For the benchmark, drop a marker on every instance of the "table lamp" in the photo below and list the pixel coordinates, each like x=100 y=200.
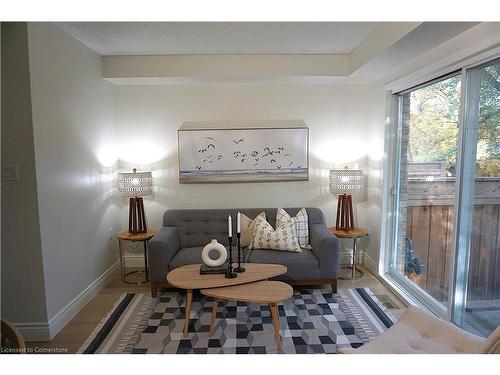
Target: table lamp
x=347 y=183
x=136 y=185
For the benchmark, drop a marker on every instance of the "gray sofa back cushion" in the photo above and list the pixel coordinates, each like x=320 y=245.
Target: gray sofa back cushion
x=196 y=227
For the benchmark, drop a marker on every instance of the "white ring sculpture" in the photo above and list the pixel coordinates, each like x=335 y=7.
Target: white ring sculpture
x=217 y=247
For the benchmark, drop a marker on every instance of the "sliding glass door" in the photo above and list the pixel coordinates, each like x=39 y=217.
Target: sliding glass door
x=426 y=188
x=478 y=278
x=445 y=227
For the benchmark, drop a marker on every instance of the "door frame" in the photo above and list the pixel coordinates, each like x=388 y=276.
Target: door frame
x=467 y=134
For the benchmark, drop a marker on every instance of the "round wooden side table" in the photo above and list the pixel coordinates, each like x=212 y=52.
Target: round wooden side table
x=143 y=237
x=354 y=233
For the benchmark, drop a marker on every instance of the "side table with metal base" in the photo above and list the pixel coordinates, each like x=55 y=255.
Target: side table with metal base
x=354 y=233
x=143 y=237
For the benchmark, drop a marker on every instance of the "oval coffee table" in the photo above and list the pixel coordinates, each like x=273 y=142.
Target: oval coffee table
x=189 y=278
x=270 y=292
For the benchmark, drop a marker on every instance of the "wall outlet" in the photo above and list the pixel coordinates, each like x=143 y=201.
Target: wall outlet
x=10 y=172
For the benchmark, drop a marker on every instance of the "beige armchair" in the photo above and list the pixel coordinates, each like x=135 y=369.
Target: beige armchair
x=419 y=331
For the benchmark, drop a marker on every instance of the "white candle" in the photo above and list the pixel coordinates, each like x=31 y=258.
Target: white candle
x=238 y=229
x=230 y=225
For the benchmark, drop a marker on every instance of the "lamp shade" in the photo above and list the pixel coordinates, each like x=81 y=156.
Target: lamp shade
x=136 y=184
x=348 y=181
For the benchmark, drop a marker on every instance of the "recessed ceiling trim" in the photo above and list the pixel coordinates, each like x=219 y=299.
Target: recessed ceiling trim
x=225 y=66
x=383 y=37
x=263 y=51
x=164 y=81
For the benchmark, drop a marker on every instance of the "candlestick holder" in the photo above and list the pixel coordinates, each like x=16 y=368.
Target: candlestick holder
x=239 y=269
x=230 y=274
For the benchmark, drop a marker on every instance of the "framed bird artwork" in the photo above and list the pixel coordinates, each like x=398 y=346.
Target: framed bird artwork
x=243 y=154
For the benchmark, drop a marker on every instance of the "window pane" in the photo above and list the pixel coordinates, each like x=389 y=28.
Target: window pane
x=427 y=186
x=482 y=310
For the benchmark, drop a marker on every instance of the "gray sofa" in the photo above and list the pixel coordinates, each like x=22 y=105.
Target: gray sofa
x=185 y=232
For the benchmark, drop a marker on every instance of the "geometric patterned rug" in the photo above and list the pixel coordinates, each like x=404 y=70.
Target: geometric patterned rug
x=313 y=320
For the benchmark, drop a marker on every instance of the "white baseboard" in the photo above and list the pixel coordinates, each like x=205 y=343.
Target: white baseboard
x=43 y=331
x=369 y=263
x=134 y=261
x=362 y=257
x=33 y=331
x=345 y=257
x=68 y=312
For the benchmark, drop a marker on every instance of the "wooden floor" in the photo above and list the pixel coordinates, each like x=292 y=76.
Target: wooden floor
x=71 y=338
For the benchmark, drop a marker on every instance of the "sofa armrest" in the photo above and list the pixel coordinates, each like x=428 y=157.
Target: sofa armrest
x=492 y=343
x=325 y=247
x=161 y=249
x=442 y=332
x=420 y=331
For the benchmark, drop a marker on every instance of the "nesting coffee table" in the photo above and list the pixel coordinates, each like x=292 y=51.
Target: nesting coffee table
x=270 y=292
x=250 y=286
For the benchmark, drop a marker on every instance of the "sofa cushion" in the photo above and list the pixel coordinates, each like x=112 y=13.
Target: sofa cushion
x=188 y=255
x=302 y=266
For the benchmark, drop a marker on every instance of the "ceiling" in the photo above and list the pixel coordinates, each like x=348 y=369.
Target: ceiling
x=146 y=38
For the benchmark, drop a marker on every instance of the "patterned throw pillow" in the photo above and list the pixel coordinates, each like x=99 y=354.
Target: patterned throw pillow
x=247 y=228
x=283 y=238
x=301 y=222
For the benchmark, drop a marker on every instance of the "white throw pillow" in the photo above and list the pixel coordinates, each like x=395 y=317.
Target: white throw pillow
x=301 y=221
x=247 y=228
x=283 y=238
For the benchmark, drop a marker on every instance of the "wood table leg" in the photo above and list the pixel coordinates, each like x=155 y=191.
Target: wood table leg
x=215 y=304
x=189 y=299
x=273 y=308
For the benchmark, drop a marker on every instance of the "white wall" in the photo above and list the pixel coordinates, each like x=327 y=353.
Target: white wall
x=376 y=157
x=341 y=119
x=72 y=124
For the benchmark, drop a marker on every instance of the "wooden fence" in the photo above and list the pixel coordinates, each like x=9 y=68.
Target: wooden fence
x=430 y=221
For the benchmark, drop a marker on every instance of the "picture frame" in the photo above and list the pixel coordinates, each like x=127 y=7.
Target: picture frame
x=250 y=154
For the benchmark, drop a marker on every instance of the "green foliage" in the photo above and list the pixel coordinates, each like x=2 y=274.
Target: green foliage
x=434 y=122
x=488 y=152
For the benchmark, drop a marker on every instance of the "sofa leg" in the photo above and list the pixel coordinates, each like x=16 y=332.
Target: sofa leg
x=333 y=284
x=154 y=290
